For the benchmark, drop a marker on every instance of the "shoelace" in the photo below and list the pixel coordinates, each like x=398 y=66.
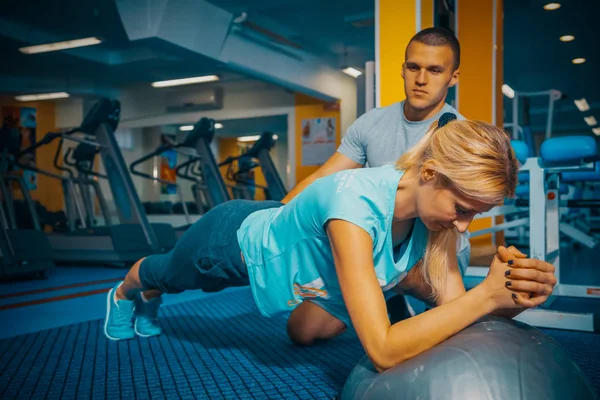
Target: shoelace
x=122 y=317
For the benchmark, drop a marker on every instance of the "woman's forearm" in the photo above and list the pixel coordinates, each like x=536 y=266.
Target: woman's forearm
x=412 y=336
x=507 y=312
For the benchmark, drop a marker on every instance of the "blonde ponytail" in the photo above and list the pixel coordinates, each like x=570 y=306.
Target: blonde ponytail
x=441 y=248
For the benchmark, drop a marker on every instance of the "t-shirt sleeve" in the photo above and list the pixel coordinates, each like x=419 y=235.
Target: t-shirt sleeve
x=354 y=143
x=348 y=202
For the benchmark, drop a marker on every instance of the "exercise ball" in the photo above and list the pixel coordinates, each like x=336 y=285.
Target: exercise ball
x=495 y=358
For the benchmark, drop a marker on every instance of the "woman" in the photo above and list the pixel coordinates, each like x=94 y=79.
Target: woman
x=347 y=239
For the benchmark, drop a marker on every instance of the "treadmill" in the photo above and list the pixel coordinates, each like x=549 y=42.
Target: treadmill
x=209 y=186
x=275 y=189
x=81 y=162
x=214 y=184
x=133 y=237
x=189 y=171
x=16 y=256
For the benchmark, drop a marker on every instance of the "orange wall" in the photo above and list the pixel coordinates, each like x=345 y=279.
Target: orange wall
x=49 y=190
x=475 y=94
x=475 y=33
x=426 y=14
x=308 y=108
x=397 y=25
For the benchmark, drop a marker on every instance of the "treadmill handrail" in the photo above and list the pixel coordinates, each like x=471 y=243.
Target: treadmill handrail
x=155 y=153
x=186 y=167
x=50 y=137
x=228 y=160
x=47 y=139
x=60 y=167
x=78 y=168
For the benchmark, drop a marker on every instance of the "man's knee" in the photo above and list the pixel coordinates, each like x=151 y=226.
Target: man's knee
x=309 y=322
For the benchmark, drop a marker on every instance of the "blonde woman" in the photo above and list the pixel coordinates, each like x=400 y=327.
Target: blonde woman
x=349 y=238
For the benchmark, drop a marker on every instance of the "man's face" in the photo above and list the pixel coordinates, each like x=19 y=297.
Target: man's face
x=428 y=73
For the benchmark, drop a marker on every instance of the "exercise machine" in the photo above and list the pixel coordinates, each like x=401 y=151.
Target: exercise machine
x=201 y=163
x=520 y=124
x=572 y=225
x=199 y=137
x=190 y=172
x=16 y=244
x=204 y=132
x=81 y=159
x=275 y=189
x=240 y=171
x=566 y=155
x=133 y=237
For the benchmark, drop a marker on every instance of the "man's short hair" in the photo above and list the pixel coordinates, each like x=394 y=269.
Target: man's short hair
x=439 y=37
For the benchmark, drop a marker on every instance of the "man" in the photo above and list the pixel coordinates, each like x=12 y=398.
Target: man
x=381 y=136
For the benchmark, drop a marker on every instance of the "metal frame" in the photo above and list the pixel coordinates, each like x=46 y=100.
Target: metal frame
x=553 y=96
x=160 y=150
x=544 y=240
x=131 y=239
x=16 y=257
x=186 y=171
x=260 y=151
x=128 y=203
x=277 y=190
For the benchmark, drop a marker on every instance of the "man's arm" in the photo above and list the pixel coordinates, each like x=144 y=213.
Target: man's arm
x=351 y=154
x=337 y=162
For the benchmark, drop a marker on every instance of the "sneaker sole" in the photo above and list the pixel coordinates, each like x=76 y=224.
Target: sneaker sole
x=108 y=297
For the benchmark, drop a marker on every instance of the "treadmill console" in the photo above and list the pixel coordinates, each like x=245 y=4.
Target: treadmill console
x=104 y=111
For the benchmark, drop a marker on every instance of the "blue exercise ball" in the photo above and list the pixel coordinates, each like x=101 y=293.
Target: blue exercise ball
x=495 y=358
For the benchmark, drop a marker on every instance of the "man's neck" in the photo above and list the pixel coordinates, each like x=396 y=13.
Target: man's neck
x=414 y=115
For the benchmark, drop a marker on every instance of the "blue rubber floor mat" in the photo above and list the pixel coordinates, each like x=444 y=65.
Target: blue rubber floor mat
x=217 y=347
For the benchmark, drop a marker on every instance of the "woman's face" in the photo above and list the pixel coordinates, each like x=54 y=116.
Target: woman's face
x=440 y=206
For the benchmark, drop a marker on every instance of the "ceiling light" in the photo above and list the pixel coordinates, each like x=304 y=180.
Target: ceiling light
x=552 y=6
x=353 y=72
x=69 y=44
x=582 y=105
x=240 y=18
x=185 y=81
x=508 y=91
x=186 y=128
x=596 y=131
x=578 y=60
x=591 y=121
x=248 y=138
x=275 y=137
x=43 y=96
x=567 y=38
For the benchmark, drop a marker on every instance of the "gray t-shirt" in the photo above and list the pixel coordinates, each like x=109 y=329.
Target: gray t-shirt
x=382 y=135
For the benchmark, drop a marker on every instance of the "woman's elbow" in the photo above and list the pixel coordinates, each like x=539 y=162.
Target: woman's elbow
x=382 y=364
x=383 y=359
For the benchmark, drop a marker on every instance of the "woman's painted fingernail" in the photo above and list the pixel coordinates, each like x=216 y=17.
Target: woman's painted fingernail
x=510 y=262
x=507 y=273
x=508 y=283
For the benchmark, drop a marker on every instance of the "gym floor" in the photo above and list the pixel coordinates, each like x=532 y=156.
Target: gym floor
x=214 y=345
